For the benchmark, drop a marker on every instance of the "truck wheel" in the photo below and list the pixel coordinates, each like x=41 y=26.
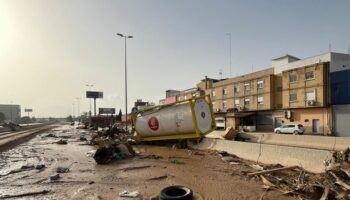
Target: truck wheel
x=295 y=132
x=176 y=193
x=278 y=132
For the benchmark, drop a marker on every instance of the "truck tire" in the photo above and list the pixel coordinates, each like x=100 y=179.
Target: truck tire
x=295 y=132
x=176 y=193
x=278 y=132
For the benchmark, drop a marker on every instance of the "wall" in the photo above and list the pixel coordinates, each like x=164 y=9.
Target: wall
x=300 y=116
x=319 y=83
x=309 y=159
x=341 y=117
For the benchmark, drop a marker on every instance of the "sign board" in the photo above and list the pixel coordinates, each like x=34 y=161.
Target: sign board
x=106 y=110
x=28 y=110
x=94 y=94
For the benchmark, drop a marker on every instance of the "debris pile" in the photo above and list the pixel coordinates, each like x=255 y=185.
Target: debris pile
x=113 y=144
x=293 y=180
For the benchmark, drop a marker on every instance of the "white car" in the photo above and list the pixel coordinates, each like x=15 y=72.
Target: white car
x=290 y=128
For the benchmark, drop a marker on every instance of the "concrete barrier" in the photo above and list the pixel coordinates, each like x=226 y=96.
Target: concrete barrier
x=310 y=159
x=306 y=141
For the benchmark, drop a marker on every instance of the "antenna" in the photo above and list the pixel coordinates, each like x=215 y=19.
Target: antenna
x=229 y=34
x=330 y=47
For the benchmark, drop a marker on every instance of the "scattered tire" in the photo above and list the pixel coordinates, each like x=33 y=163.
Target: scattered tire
x=176 y=193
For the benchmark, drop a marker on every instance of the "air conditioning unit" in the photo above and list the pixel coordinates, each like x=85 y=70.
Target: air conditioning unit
x=311 y=102
x=217 y=110
x=240 y=109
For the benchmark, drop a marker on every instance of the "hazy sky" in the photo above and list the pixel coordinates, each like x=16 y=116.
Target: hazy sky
x=49 y=49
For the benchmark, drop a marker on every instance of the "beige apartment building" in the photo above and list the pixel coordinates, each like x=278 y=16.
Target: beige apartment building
x=293 y=90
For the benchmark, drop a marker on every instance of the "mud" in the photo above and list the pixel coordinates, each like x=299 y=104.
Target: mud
x=155 y=168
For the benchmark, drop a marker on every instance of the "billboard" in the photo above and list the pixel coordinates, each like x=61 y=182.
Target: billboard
x=94 y=94
x=28 y=110
x=106 y=110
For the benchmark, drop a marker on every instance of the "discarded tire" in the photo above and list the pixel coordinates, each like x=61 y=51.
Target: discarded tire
x=176 y=193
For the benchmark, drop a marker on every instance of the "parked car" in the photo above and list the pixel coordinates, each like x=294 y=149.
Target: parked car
x=220 y=123
x=290 y=128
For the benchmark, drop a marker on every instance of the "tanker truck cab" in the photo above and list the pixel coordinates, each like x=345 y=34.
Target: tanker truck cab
x=192 y=118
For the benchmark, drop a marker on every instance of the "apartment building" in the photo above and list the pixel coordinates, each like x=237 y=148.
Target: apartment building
x=313 y=91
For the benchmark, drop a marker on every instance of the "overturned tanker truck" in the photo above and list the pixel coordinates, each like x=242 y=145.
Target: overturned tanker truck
x=186 y=119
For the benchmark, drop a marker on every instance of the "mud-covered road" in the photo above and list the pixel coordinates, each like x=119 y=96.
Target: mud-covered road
x=205 y=173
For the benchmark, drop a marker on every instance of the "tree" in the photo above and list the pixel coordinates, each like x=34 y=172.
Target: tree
x=2 y=117
x=119 y=116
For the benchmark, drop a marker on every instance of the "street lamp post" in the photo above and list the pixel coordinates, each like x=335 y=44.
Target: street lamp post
x=229 y=35
x=126 y=81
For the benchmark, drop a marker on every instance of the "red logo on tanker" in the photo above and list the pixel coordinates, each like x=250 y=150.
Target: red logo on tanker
x=153 y=123
x=203 y=114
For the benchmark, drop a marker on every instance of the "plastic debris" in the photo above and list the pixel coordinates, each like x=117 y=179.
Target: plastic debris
x=132 y=194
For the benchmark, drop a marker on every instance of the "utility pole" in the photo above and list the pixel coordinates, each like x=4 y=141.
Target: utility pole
x=229 y=34
x=126 y=80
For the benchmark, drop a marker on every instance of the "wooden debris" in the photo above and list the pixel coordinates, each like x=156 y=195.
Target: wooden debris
x=257 y=167
x=340 y=182
x=24 y=194
x=325 y=193
x=267 y=183
x=135 y=168
x=158 y=178
x=272 y=170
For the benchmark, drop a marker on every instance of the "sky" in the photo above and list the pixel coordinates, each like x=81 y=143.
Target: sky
x=50 y=49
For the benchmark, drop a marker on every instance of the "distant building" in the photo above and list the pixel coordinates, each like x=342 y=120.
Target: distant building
x=171 y=93
x=11 y=112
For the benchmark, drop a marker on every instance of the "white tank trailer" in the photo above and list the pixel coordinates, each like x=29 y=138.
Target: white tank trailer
x=191 y=118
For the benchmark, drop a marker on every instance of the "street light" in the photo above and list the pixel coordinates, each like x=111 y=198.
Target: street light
x=229 y=35
x=126 y=82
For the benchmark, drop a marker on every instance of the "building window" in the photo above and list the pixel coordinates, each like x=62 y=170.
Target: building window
x=246 y=102
x=236 y=88
x=293 y=96
x=260 y=100
x=224 y=105
x=311 y=94
x=246 y=86
x=293 y=77
x=310 y=75
x=237 y=103
x=260 y=84
x=213 y=93
x=224 y=91
x=185 y=97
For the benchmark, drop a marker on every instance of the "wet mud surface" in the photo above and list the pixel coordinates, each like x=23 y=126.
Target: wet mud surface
x=22 y=171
